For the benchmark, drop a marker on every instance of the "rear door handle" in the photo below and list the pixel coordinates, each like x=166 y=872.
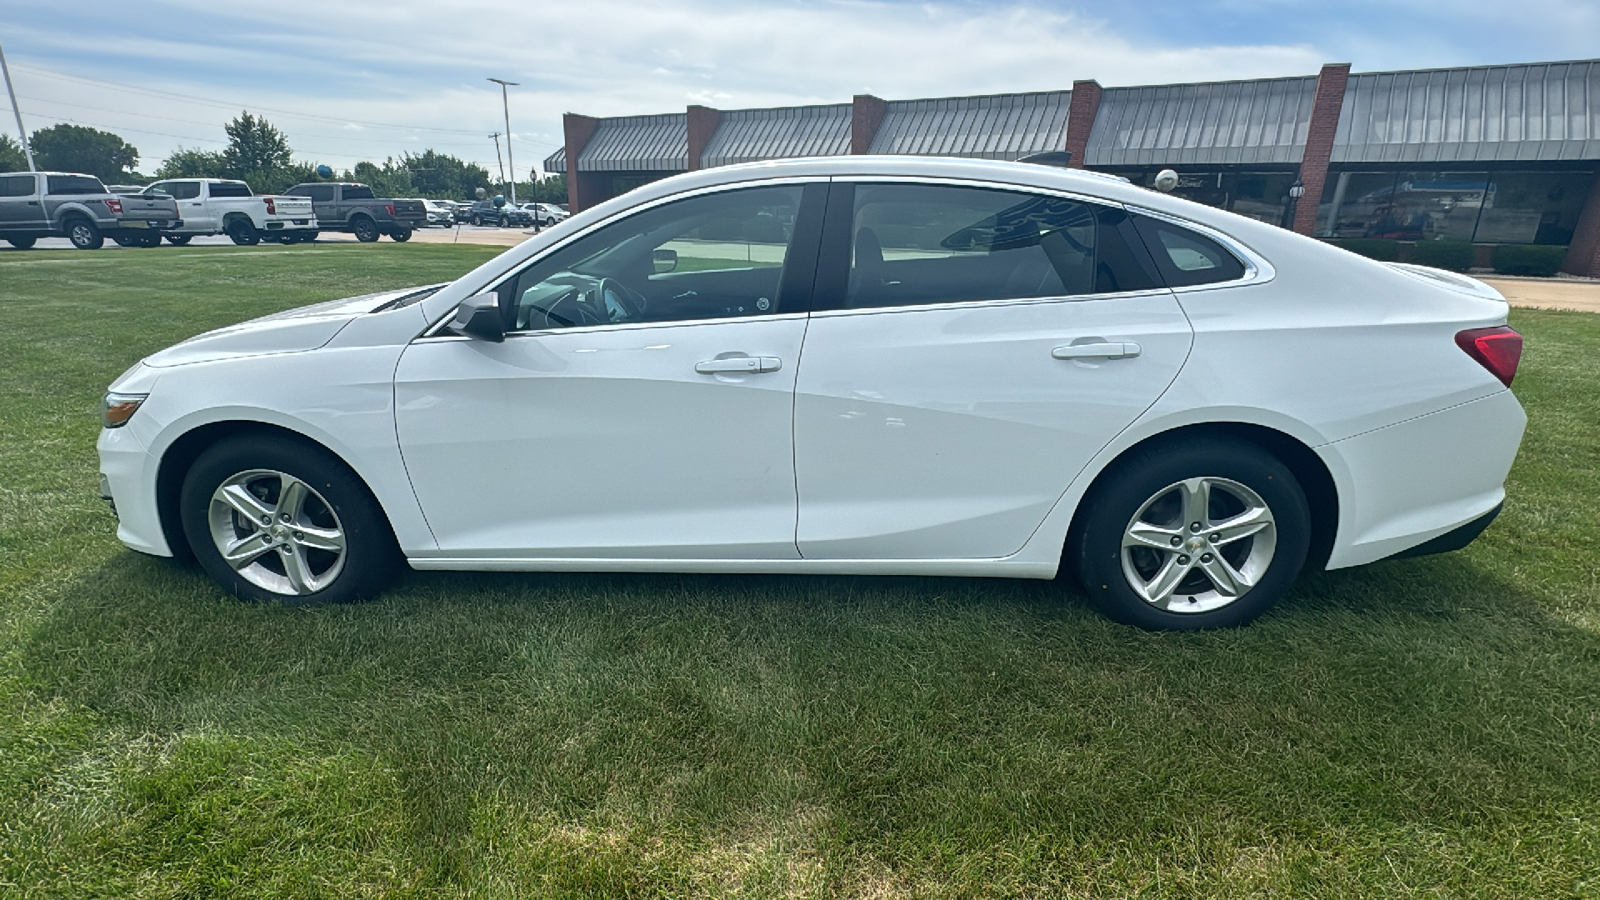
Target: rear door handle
x=746 y=365
x=1101 y=350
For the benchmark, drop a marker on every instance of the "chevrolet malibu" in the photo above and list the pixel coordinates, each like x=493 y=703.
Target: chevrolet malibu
x=861 y=365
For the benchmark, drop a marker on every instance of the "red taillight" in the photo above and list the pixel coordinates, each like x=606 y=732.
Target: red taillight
x=114 y=205
x=1497 y=349
x=272 y=209
x=389 y=207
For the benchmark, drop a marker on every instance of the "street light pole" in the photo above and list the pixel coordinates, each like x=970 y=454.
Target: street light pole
x=21 y=132
x=510 y=162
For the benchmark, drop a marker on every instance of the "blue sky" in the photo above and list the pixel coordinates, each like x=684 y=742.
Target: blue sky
x=362 y=81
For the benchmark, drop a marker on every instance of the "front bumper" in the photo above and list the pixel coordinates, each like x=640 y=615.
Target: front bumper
x=127 y=482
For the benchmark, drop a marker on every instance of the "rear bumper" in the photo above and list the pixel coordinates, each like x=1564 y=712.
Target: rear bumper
x=1455 y=539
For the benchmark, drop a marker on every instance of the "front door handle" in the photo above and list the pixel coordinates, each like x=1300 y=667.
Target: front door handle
x=1100 y=350
x=738 y=365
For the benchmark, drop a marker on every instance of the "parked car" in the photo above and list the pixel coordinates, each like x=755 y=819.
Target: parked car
x=78 y=207
x=227 y=206
x=353 y=208
x=544 y=215
x=945 y=367
x=485 y=212
x=440 y=212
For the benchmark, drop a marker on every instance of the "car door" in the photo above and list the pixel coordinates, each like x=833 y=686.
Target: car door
x=20 y=209
x=192 y=206
x=970 y=350
x=624 y=416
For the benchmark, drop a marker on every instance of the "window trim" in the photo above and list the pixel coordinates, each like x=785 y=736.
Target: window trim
x=831 y=267
x=495 y=287
x=1257 y=270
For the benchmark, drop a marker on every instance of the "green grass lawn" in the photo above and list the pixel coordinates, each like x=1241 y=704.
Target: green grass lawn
x=1420 y=727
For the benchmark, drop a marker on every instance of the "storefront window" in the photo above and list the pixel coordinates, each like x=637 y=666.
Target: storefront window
x=1486 y=208
x=1262 y=196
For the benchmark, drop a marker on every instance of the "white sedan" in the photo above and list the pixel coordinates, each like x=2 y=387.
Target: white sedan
x=867 y=365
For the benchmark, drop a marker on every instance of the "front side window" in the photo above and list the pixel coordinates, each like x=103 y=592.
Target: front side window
x=1187 y=258
x=178 y=190
x=916 y=244
x=715 y=256
x=319 y=193
x=16 y=185
x=75 y=184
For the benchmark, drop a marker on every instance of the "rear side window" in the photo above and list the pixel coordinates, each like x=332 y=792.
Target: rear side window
x=1187 y=258
x=180 y=190
x=229 y=189
x=75 y=184
x=915 y=244
x=319 y=193
x=16 y=185
x=361 y=192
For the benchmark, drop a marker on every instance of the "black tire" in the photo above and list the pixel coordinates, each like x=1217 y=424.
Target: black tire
x=307 y=237
x=366 y=230
x=1146 y=489
x=22 y=243
x=179 y=240
x=337 y=500
x=477 y=221
x=505 y=222
x=148 y=240
x=84 y=234
x=400 y=235
x=243 y=232
x=124 y=240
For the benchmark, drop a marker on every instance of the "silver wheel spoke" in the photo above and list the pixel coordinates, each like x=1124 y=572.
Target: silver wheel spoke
x=314 y=538
x=292 y=498
x=1229 y=582
x=245 y=550
x=1156 y=537
x=246 y=504
x=294 y=565
x=1249 y=522
x=1158 y=590
x=1197 y=501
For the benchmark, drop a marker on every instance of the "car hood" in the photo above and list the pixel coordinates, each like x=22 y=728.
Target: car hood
x=291 y=331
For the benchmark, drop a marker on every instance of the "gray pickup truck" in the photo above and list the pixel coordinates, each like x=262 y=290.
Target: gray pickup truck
x=78 y=207
x=353 y=208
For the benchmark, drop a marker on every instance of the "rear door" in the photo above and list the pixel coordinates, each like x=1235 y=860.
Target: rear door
x=971 y=349
x=192 y=207
x=20 y=209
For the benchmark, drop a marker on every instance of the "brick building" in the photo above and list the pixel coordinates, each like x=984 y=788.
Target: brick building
x=1486 y=154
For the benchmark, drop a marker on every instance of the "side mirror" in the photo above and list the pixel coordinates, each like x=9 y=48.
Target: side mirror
x=664 y=261
x=478 y=316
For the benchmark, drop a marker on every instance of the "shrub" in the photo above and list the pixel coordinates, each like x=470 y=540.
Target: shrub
x=1528 y=259
x=1453 y=255
x=1381 y=249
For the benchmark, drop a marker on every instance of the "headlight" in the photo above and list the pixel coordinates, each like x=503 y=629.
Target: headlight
x=117 y=409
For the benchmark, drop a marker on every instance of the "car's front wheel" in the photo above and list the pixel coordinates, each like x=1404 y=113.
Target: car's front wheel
x=1198 y=534
x=179 y=240
x=400 y=235
x=273 y=519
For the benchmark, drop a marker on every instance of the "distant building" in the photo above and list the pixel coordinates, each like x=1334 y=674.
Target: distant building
x=1486 y=154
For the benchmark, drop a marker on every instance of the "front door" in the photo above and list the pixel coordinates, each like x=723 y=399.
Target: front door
x=642 y=403
x=974 y=350
x=20 y=209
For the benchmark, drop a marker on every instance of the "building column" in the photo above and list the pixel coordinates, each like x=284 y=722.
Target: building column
x=1325 y=106
x=1583 y=254
x=866 y=115
x=703 y=122
x=584 y=189
x=1081 y=112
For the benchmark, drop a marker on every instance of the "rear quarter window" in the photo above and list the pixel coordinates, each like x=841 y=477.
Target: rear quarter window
x=1187 y=258
x=75 y=184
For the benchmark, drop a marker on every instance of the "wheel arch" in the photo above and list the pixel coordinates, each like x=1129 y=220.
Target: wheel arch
x=1312 y=473
x=181 y=454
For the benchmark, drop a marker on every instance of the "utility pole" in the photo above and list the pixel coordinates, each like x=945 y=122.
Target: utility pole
x=21 y=132
x=505 y=104
x=497 y=161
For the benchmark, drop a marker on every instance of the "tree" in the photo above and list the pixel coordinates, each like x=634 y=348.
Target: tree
x=254 y=145
x=388 y=180
x=193 y=164
x=77 y=148
x=440 y=175
x=12 y=159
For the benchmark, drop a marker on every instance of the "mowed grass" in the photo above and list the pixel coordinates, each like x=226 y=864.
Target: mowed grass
x=1419 y=727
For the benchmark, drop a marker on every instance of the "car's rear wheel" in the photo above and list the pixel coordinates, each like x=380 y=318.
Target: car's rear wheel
x=277 y=520
x=365 y=229
x=148 y=240
x=85 y=235
x=243 y=232
x=400 y=234
x=179 y=240
x=1199 y=534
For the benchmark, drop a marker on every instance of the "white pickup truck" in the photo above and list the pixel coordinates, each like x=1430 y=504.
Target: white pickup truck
x=222 y=206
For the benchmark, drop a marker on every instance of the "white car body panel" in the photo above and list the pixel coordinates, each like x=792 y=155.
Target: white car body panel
x=1353 y=359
